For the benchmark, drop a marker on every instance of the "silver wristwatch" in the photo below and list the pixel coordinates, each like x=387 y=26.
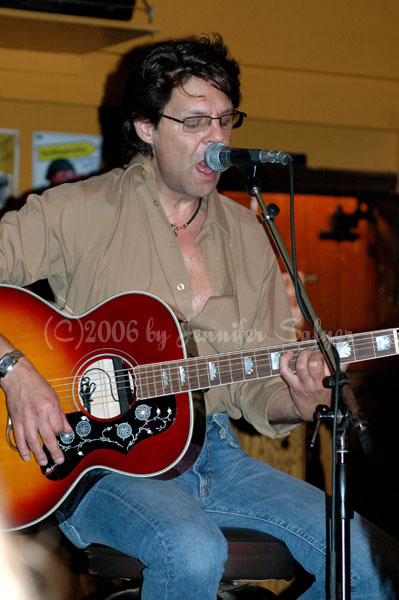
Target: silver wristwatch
x=8 y=361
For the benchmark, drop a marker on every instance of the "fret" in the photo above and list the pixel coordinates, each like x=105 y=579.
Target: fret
x=152 y=384
x=237 y=368
x=170 y=378
x=144 y=379
x=363 y=347
x=226 y=375
x=373 y=340
x=296 y=348
x=396 y=340
x=156 y=380
x=190 y=375
x=139 y=382
x=353 y=346
x=174 y=377
x=203 y=373
x=263 y=363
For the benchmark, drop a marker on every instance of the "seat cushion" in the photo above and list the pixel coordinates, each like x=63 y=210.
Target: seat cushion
x=253 y=556
x=257 y=556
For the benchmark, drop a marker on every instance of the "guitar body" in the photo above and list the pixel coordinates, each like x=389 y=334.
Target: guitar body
x=130 y=393
x=90 y=361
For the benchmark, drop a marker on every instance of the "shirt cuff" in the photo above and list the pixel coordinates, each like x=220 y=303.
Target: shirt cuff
x=255 y=411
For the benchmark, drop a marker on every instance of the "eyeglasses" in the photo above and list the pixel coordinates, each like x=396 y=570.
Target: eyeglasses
x=231 y=120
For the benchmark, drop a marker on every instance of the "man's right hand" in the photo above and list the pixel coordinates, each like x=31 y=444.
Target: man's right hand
x=35 y=412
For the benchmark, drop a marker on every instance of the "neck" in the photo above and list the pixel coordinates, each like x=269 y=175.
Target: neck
x=176 y=205
x=184 y=225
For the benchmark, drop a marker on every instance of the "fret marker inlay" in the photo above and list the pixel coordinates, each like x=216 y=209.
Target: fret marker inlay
x=383 y=342
x=165 y=379
x=344 y=349
x=275 y=356
x=248 y=365
x=212 y=371
x=182 y=375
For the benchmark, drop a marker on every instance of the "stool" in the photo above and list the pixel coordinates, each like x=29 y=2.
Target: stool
x=252 y=556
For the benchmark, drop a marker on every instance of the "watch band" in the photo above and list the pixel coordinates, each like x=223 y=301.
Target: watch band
x=8 y=361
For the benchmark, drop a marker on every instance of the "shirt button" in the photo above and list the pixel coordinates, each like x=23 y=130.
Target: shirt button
x=172 y=244
x=156 y=203
x=180 y=287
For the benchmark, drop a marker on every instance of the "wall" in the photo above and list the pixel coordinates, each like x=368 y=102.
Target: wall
x=319 y=78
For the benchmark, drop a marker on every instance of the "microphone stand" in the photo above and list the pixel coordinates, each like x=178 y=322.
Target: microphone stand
x=346 y=411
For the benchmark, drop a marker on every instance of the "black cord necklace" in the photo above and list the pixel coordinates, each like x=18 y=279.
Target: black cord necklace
x=177 y=228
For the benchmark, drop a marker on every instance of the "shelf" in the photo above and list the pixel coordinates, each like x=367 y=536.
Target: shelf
x=31 y=30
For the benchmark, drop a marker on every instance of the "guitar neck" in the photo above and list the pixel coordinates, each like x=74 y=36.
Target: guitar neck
x=161 y=379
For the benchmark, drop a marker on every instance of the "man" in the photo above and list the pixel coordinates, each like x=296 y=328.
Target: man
x=159 y=226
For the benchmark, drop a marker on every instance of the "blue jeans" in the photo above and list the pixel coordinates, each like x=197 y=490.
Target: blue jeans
x=173 y=526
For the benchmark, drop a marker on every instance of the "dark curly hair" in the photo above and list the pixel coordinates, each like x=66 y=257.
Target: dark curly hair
x=166 y=65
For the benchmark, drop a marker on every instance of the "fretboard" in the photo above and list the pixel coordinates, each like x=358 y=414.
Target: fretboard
x=203 y=372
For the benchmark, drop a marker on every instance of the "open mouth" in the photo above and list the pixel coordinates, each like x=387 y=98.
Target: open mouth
x=203 y=168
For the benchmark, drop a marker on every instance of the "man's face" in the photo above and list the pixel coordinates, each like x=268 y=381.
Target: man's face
x=180 y=170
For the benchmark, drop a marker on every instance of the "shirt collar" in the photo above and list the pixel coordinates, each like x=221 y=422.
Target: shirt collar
x=215 y=211
x=216 y=214
x=139 y=164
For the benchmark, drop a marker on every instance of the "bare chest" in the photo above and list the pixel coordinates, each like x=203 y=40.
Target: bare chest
x=200 y=286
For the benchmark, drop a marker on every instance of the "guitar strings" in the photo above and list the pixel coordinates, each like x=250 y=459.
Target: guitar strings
x=150 y=375
x=257 y=353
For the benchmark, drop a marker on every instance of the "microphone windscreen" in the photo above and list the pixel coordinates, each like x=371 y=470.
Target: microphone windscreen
x=212 y=157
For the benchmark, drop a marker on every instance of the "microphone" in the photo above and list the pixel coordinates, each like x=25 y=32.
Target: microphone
x=220 y=157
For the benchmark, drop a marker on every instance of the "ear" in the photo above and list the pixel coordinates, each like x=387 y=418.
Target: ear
x=144 y=130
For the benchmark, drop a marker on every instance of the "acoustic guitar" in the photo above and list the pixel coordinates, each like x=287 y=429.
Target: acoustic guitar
x=129 y=390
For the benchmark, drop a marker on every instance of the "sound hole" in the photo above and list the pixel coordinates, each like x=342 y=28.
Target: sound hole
x=106 y=387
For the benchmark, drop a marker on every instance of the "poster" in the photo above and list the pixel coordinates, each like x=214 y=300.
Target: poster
x=60 y=157
x=9 y=165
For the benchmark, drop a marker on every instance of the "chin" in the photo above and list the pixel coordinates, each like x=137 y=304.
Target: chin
x=207 y=188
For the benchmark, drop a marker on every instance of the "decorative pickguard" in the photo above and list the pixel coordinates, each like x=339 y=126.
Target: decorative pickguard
x=145 y=419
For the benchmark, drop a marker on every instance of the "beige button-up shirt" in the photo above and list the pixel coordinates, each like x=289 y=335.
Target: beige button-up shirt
x=109 y=234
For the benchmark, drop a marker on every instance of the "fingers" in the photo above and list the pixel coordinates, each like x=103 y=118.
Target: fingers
x=20 y=441
x=47 y=434
x=34 y=444
x=35 y=413
x=309 y=364
x=66 y=427
x=30 y=437
x=305 y=381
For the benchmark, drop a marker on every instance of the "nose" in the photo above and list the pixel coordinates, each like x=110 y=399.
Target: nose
x=216 y=133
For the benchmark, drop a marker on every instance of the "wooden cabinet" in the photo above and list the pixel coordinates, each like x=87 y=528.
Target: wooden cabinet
x=340 y=276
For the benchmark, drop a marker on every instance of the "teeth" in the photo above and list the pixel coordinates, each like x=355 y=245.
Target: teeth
x=203 y=167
